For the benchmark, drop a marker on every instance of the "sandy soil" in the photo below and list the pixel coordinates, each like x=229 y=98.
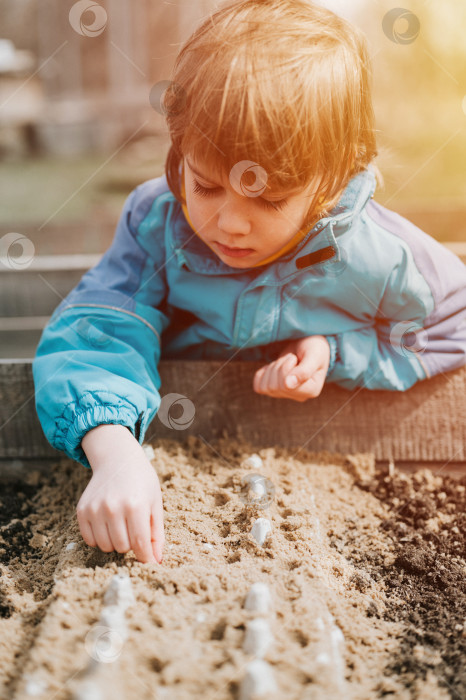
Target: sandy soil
x=382 y=556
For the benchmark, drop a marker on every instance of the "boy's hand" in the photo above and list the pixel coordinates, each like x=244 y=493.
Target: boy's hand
x=306 y=359
x=121 y=507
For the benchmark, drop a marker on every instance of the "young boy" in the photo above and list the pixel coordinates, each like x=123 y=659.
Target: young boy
x=261 y=242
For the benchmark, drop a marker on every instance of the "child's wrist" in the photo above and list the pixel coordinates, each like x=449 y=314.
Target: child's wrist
x=104 y=440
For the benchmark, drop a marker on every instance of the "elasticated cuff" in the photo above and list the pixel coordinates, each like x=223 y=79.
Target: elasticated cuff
x=78 y=419
x=332 y=341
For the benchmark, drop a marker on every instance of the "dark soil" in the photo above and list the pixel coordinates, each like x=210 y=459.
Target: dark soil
x=428 y=528
x=15 y=503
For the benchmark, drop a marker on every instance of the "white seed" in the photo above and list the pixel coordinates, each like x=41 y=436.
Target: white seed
x=337 y=643
x=200 y=617
x=207 y=546
x=88 y=690
x=104 y=643
x=113 y=617
x=258 y=637
x=337 y=636
x=119 y=592
x=261 y=529
x=330 y=654
x=323 y=659
x=258 y=598
x=35 y=686
x=258 y=488
x=149 y=451
x=254 y=461
x=70 y=546
x=258 y=681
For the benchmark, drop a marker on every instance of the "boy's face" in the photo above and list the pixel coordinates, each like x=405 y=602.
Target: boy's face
x=258 y=226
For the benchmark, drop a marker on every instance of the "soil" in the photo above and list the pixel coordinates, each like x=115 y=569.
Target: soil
x=382 y=555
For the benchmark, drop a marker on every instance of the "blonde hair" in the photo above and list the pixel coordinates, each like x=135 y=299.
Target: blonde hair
x=282 y=83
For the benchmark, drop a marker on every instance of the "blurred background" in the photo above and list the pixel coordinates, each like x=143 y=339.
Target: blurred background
x=78 y=131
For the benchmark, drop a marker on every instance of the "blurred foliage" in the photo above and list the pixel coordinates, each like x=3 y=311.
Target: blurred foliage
x=419 y=91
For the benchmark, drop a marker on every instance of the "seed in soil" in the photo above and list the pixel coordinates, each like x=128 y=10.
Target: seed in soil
x=257 y=638
x=258 y=598
x=254 y=461
x=261 y=529
x=258 y=681
x=119 y=592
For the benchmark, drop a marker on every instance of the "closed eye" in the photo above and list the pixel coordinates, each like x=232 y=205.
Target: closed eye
x=204 y=191
x=212 y=191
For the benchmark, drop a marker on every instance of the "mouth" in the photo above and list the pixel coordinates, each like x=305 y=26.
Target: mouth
x=234 y=252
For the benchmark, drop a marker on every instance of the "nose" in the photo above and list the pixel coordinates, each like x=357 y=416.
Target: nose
x=232 y=222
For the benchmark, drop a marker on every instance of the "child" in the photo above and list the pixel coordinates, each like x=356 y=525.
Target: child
x=262 y=242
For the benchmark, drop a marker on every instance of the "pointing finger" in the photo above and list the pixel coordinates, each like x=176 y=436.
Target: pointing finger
x=138 y=524
x=157 y=531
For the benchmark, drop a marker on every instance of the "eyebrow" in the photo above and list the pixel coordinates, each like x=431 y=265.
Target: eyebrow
x=278 y=197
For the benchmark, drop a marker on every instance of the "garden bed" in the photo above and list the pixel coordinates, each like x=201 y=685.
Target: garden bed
x=378 y=552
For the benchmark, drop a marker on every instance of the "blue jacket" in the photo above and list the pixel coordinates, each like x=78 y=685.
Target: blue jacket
x=390 y=299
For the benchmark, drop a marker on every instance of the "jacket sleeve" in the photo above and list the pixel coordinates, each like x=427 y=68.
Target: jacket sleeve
x=419 y=329
x=96 y=361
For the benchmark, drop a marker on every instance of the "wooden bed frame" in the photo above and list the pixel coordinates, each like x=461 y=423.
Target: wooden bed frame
x=424 y=426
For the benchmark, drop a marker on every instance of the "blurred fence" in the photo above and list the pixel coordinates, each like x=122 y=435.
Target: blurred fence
x=93 y=68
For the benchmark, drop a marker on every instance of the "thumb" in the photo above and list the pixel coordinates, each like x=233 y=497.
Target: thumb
x=301 y=373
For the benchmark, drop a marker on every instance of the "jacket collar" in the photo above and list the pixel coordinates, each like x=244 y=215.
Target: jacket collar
x=318 y=246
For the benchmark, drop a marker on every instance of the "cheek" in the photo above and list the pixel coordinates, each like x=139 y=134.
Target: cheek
x=198 y=208
x=201 y=214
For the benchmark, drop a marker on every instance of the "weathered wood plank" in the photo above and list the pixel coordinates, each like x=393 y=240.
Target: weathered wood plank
x=426 y=423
